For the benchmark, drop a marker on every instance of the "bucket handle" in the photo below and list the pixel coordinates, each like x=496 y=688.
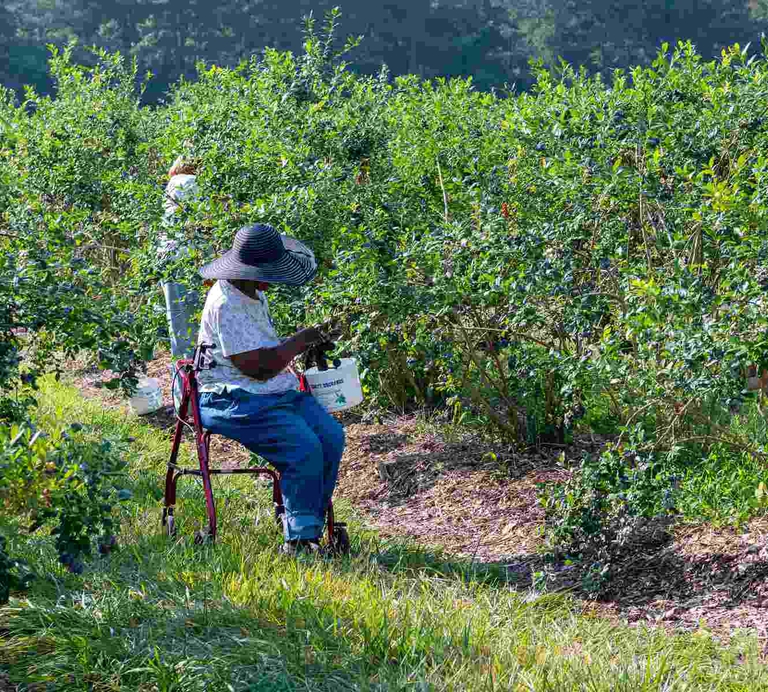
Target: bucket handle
x=302 y=378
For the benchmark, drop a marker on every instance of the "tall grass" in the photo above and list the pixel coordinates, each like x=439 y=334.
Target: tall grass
x=167 y=616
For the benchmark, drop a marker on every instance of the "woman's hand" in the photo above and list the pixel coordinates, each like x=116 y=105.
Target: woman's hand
x=264 y=363
x=328 y=331
x=313 y=335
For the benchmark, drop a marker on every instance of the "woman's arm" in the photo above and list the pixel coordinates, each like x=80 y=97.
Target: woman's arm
x=264 y=363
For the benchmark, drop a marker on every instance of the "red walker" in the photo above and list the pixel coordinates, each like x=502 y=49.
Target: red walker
x=186 y=370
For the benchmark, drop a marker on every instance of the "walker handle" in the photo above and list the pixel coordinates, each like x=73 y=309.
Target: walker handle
x=202 y=359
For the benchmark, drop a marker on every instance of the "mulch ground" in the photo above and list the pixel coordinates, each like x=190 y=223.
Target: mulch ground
x=475 y=501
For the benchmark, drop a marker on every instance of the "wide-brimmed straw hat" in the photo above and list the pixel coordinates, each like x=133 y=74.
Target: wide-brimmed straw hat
x=260 y=253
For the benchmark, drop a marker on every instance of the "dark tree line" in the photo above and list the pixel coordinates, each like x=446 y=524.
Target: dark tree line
x=492 y=40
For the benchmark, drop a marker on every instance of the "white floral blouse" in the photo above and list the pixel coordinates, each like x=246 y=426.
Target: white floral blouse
x=235 y=323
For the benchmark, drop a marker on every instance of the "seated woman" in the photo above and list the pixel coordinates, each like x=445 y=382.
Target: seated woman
x=250 y=395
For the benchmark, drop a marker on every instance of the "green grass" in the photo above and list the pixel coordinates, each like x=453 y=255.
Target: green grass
x=165 y=616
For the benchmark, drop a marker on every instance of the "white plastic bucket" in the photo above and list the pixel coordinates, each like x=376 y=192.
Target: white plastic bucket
x=148 y=397
x=337 y=389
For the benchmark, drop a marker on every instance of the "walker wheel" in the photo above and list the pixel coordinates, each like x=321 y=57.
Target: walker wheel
x=340 y=544
x=279 y=512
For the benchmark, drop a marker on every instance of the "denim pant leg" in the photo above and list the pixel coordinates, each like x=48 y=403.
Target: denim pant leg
x=182 y=328
x=272 y=426
x=331 y=435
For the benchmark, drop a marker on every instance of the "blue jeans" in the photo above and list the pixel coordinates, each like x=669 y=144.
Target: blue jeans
x=294 y=434
x=182 y=327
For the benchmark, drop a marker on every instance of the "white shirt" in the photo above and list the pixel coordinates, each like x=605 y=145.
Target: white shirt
x=235 y=323
x=179 y=188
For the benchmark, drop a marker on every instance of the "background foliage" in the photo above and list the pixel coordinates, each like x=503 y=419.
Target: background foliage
x=490 y=39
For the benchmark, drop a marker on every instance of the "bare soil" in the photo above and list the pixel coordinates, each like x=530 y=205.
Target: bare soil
x=475 y=501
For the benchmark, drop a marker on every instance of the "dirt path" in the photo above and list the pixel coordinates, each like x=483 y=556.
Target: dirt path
x=475 y=501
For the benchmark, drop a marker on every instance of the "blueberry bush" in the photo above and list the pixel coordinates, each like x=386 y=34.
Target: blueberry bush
x=586 y=257
x=64 y=237
x=61 y=483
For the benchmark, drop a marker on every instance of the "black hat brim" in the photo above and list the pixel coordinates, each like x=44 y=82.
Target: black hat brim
x=296 y=267
x=293 y=269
